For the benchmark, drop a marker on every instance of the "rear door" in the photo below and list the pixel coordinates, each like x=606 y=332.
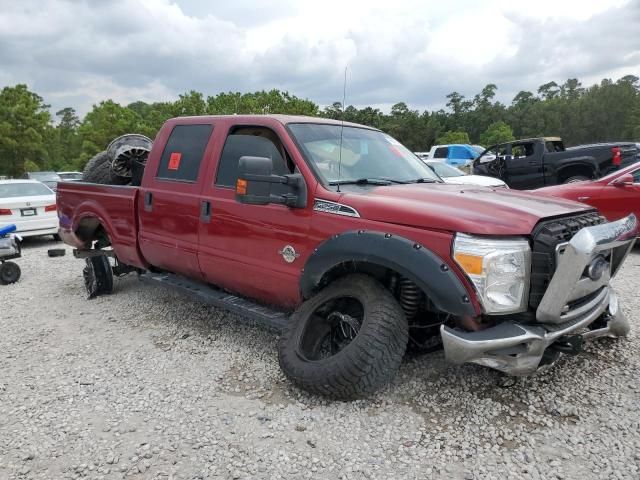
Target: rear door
x=169 y=200
x=253 y=250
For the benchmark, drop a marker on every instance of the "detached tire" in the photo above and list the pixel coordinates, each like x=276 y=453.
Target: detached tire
x=98 y=170
x=9 y=273
x=347 y=341
x=98 y=276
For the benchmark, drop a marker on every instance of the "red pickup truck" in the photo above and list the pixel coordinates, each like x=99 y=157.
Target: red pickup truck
x=340 y=236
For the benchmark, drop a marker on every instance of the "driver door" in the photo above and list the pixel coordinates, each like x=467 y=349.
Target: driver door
x=524 y=166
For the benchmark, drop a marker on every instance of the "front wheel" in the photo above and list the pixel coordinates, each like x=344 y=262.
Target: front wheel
x=347 y=341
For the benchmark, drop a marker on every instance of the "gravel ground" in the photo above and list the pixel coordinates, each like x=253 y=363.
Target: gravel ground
x=147 y=384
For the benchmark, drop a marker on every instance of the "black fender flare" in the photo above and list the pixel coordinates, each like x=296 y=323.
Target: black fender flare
x=404 y=256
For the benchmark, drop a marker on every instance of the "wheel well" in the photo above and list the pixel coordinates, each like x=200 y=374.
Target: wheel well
x=90 y=229
x=408 y=294
x=380 y=273
x=574 y=170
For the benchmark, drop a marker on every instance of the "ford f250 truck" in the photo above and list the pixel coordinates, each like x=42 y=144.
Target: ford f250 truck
x=538 y=162
x=340 y=236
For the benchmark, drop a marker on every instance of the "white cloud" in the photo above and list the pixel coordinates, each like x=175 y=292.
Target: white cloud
x=79 y=52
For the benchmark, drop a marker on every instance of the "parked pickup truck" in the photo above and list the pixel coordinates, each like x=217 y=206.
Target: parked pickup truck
x=537 y=162
x=349 y=243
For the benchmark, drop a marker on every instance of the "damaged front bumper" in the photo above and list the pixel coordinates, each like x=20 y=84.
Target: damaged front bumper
x=579 y=294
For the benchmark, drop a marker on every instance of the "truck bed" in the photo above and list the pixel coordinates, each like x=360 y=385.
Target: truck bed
x=82 y=205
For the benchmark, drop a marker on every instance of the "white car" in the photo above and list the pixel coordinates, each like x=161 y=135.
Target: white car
x=31 y=205
x=453 y=175
x=70 y=176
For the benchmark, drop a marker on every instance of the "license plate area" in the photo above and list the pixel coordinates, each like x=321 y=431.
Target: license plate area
x=28 y=212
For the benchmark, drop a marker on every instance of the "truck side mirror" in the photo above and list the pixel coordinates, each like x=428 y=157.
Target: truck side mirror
x=256 y=183
x=623 y=181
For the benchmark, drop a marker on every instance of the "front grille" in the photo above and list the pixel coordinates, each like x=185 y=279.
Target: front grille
x=547 y=235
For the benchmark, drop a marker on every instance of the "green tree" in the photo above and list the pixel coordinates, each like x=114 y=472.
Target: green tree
x=497 y=132
x=102 y=124
x=66 y=139
x=24 y=120
x=450 y=136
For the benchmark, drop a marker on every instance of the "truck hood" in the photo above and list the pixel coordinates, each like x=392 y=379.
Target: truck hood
x=458 y=208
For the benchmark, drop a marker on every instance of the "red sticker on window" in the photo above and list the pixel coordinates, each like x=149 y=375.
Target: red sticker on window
x=174 y=161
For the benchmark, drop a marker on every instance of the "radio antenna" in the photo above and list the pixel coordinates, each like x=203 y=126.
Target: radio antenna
x=344 y=97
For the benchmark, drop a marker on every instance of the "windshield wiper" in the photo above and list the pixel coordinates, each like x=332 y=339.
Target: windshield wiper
x=381 y=181
x=422 y=180
x=364 y=181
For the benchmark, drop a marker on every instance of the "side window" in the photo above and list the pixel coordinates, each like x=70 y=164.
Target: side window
x=441 y=152
x=249 y=142
x=636 y=176
x=183 y=152
x=518 y=151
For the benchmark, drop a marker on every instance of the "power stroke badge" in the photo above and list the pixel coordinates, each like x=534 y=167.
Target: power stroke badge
x=289 y=253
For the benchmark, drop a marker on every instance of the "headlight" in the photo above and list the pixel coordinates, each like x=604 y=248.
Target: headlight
x=499 y=269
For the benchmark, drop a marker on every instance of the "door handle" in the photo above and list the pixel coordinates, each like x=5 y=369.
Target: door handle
x=148 y=201
x=582 y=199
x=205 y=211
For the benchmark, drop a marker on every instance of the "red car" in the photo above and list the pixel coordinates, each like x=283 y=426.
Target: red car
x=615 y=195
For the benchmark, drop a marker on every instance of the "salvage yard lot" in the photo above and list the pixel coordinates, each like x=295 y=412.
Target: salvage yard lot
x=145 y=383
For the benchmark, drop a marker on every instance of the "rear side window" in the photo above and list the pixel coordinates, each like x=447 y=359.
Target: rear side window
x=636 y=176
x=183 y=152
x=441 y=152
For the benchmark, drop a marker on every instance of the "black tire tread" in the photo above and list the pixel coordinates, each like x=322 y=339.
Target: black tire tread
x=369 y=362
x=98 y=170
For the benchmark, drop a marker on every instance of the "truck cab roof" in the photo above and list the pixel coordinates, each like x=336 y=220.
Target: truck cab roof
x=251 y=119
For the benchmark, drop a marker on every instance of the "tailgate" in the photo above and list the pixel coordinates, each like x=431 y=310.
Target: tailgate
x=81 y=206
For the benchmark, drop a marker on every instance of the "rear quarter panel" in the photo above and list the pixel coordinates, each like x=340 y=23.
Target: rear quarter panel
x=114 y=207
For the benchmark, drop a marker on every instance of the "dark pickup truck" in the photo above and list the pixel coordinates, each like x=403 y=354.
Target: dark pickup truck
x=538 y=162
x=344 y=239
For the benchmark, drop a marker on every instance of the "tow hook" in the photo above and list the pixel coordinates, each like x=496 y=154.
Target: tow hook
x=568 y=344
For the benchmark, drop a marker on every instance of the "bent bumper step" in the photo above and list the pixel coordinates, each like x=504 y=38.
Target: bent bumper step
x=518 y=349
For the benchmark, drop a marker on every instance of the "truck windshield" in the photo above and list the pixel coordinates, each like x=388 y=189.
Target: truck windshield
x=368 y=156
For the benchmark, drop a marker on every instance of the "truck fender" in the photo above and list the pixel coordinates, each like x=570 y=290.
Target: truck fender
x=409 y=259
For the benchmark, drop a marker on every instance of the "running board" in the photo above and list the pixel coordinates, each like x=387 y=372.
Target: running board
x=254 y=312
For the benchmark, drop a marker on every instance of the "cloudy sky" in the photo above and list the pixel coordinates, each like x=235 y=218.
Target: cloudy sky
x=76 y=53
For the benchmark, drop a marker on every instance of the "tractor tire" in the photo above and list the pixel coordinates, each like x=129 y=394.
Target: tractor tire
x=359 y=319
x=9 y=273
x=98 y=276
x=98 y=170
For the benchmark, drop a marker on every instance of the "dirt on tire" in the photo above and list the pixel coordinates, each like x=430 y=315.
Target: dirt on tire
x=368 y=362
